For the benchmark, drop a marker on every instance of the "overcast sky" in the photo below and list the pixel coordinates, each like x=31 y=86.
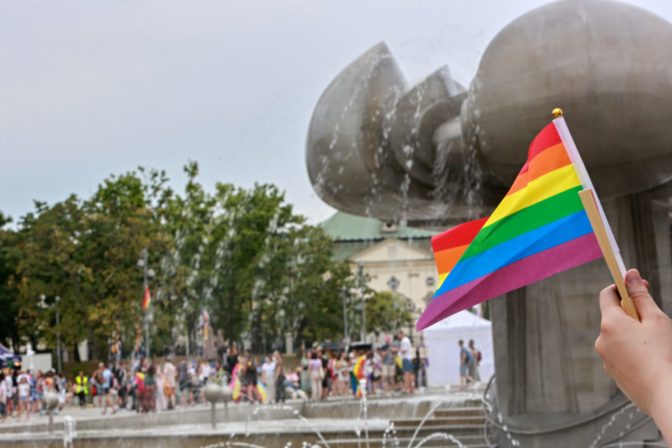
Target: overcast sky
x=90 y=88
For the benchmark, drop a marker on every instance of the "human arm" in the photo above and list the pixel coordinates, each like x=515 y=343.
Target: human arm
x=638 y=355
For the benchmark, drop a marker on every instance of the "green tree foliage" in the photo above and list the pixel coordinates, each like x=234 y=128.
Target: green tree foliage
x=9 y=301
x=243 y=255
x=387 y=311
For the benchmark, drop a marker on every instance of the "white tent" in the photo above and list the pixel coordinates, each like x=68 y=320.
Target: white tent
x=443 y=352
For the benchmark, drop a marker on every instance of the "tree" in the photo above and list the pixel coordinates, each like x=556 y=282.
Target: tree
x=9 y=302
x=241 y=254
x=387 y=312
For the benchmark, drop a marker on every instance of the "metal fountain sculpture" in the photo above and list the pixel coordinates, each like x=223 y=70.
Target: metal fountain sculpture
x=438 y=153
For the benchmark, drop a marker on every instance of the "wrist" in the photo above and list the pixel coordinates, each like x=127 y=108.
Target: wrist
x=660 y=406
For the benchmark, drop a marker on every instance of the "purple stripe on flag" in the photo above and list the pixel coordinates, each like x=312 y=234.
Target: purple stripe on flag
x=516 y=275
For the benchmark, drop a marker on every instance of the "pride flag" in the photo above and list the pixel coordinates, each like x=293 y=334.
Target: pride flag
x=146 y=299
x=237 y=389
x=539 y=229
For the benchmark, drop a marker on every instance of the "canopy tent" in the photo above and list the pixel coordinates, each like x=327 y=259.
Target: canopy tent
x=443 y=352
x=7 y=355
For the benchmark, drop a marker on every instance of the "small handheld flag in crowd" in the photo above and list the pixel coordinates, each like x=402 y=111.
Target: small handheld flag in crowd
x=543 y=226
x=146 y=299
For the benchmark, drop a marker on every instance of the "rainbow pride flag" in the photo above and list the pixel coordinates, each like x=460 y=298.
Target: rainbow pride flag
x=146 y=299
x=237 y=390
x=539 y=229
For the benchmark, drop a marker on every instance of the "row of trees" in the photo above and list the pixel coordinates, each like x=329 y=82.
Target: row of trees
x=241 y=254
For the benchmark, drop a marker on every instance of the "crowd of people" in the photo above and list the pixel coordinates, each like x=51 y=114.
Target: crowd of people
x=147 y=385
x=22 y=392
x=393 y=366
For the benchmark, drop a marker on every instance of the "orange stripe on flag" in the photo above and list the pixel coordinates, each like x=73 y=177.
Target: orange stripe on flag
x=546 y=161
x=447 y=259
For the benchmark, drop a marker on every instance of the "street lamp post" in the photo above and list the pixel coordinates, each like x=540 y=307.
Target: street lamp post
x=43 y=304
x=360 y=286
x=59 y=361
x=410 y=307
x=346 y=333
x=147 y=273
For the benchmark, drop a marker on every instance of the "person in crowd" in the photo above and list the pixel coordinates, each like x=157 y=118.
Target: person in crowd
x=96 y=382
x=352 y=360
x=16 y=372
x=421 y=380
x=231 y=358
x=388 y=367
x=406 y=352
x=465 y=361
x=368 y=371
x=316 y=375
x=122 y=378
x=268 y=376
x=8 y=385
x=160 y=396
x=195 y=381
x=327 y=372
x=184 y=383
x=3 y=397
x=148 y=396
x=243 y=377
x=37 y=392
x=170 y=382
x=81 y=388
x=279 y=378
x=106 y=385
x=138 y=388
x=48 y=385
x=24 y=395
x=340 y=375
x=475 y=362
x=251 y=378
x=64 y=395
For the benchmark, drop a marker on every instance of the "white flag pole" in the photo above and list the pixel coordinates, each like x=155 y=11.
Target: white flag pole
x=575 y=157
x=596 y=216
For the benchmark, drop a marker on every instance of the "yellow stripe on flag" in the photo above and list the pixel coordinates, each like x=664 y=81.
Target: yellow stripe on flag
x=537 y=190
x=442 y=278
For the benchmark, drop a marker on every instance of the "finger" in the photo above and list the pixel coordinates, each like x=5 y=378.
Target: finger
x=610 y=302
x=639 y=294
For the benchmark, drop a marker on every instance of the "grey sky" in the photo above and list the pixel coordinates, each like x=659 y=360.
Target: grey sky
x=90 y=88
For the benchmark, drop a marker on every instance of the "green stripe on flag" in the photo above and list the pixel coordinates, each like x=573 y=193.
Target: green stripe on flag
x=530 y=218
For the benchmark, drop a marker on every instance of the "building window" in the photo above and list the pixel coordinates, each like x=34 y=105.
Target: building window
x=393 y=283
x=430 y=282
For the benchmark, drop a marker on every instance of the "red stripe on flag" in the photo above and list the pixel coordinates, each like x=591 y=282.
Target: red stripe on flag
x=546 y=138
x=459 y=235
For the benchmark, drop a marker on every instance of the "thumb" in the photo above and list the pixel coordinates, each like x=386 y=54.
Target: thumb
x=639 y=293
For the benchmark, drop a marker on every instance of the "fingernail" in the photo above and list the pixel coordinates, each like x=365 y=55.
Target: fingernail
x=632 y=276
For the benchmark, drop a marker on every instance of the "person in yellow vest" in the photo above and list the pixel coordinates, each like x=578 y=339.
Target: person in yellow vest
x=81 y=387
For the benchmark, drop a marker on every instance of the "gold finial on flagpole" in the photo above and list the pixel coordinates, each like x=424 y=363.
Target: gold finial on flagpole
x=557 y=112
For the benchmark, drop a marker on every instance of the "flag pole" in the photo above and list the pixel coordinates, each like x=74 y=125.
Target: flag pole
x=596 y=216
x=589 y=199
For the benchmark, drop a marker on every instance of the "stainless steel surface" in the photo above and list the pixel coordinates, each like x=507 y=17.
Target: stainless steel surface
x=607 y=64
x=436 y=154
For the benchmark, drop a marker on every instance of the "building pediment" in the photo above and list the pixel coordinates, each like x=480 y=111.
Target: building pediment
x=393 y=250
